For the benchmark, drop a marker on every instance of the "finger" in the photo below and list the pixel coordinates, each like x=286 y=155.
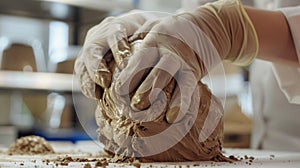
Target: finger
x=174 y=107
x=182 y=97
x=158 y=108
x=118 y=40
x=103 y=74
x=150 y=89
x=138 y=66
x=121 y=49
x=92 y=75
x=111 y=34
x=86 y=83
x=143 y=30
x=155 y=82
x=96 y=46
x=96 y=65
x=100 y=65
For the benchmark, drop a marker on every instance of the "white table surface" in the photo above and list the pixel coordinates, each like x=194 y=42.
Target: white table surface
x=263 y=159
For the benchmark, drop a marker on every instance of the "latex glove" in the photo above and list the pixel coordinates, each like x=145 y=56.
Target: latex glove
x=93 y=66
x=185 y=47
x=189 y=5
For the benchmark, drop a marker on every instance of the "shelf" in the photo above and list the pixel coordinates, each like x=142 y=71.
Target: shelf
x=38 y=81
x=102 y=5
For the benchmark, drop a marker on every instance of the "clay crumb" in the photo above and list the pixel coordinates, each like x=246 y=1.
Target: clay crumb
x=101 y=163
x=64 y=163
x=231 y=157
x=67 y=159
x=87 y=165
x=136 y=163
x=248 y=159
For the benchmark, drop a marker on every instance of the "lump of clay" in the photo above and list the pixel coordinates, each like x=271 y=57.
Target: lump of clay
x=30 y=145
x=193 y=138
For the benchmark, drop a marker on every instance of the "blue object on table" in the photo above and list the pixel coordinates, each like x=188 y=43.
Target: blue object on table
x=63 y=135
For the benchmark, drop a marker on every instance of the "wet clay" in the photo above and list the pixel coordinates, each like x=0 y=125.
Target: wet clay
x=155 y=140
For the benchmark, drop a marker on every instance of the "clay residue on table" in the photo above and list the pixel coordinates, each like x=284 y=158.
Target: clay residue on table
x=30 y=145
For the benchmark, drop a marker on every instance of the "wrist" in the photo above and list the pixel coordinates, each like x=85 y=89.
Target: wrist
x=230 y=29
x=275 y=38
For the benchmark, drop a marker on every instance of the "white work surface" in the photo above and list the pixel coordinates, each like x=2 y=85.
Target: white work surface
x=263 y=159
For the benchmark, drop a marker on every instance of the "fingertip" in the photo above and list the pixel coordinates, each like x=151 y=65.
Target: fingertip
x=120 y=47
x=172 y=114
x=137 y=36
x=103 y=78
x=122 y=85
x=141 y=102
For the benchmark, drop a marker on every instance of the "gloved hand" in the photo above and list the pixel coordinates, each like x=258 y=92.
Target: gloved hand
x=93 y=66
x=185 y=47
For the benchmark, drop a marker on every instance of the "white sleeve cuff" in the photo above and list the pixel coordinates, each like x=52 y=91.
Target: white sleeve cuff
x=293 y=17
x=288 y=79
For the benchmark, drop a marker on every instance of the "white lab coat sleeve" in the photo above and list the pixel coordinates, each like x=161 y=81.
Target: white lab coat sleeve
x=293 y=16
x=287 y=77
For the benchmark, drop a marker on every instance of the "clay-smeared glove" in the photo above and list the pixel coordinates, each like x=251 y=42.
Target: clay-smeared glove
x=185 y=47
x=93 y=66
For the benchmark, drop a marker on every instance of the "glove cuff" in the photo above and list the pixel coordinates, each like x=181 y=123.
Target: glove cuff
x=250 y=45
x=230 y=29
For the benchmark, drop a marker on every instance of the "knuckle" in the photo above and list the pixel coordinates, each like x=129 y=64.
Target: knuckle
x=109 y=19
x=105 y=23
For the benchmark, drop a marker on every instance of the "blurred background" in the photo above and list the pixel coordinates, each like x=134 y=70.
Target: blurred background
x=39 y=41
